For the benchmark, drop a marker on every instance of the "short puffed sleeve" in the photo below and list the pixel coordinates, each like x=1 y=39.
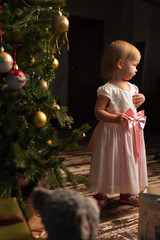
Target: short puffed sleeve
x=104 y=90
x=135 y=88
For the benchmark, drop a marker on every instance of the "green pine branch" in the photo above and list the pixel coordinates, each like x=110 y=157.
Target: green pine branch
x=26 y=150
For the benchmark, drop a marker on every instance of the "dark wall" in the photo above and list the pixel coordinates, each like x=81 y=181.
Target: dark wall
x=135 y=21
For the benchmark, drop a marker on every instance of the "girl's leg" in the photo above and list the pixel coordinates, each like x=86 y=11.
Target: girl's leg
x=130 y=199
x=101 y=200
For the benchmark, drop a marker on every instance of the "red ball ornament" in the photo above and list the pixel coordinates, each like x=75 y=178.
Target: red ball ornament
x=15 y=79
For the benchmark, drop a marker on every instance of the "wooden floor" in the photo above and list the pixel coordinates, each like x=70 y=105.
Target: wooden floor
x=117 y=221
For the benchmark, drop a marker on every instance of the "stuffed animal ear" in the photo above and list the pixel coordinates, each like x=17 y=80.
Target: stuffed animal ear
x=38 y=197
x=86 y=229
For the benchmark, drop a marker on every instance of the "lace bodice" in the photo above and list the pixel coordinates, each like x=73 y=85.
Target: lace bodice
x=120 y=100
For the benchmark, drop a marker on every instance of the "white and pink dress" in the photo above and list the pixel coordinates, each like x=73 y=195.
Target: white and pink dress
x=118 y=163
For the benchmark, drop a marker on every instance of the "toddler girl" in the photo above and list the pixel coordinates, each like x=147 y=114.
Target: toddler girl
x=118 y=162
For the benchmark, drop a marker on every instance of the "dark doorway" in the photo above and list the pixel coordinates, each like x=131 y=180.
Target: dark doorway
x=86 y=37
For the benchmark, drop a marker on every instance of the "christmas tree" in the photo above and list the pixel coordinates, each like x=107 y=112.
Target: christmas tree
x=32 y=31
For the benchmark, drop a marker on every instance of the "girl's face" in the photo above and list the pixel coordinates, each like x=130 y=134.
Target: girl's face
x=129 y=67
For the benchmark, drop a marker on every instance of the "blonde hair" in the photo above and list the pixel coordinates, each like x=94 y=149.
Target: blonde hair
x=116 y=50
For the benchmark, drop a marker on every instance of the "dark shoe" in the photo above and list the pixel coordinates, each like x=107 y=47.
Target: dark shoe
x=131 y=199
x=101 y=200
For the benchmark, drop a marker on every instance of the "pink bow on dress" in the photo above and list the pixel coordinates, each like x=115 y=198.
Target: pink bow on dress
x=136 y=121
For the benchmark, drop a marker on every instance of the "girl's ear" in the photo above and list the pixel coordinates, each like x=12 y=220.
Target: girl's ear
x=120 y=64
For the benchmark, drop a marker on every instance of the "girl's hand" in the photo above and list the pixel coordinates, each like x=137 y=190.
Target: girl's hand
x=121 y=118
x=138 y=99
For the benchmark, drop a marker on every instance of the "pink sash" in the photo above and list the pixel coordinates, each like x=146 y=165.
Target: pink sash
x=136 y=121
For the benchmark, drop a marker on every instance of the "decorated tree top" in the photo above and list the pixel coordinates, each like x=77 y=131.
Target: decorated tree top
x=39 y=28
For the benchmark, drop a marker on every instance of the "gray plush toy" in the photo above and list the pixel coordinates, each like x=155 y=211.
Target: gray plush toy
x=66 y=214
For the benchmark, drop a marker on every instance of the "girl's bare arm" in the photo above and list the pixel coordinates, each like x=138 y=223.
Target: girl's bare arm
x=101 y=114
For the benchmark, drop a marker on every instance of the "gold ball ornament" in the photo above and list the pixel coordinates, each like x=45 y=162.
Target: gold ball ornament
x=56 y=105
x=55 y=63
x=6 y=61
x=42 y=84
x=38 y=119
x=32 y=61
x=69 y=126
x=60 y=23
x=60 y=26
x=49 y=142
x=54 y=115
